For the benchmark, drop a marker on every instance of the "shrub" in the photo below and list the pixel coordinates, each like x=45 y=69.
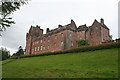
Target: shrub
x=79 y=49
x=82 y=43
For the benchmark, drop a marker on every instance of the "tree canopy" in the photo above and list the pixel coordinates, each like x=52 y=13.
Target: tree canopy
x=7 y=8
x=4 y=53
x=19 y=52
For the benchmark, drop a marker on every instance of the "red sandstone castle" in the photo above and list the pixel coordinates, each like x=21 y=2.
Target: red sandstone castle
x=65 y=37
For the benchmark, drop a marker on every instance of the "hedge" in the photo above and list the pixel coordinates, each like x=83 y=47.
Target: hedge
x=83 y=43
x=76 y=50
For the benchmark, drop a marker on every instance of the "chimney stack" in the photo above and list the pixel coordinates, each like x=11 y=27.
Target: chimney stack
x=59 y=26
x=38 y=26
x=102 y=21
x=47 y=30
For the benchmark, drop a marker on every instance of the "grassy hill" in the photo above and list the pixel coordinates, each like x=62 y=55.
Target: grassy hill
x=92 y=64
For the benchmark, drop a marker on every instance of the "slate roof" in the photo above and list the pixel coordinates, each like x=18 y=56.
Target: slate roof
x=72 y=26
x=82 y=28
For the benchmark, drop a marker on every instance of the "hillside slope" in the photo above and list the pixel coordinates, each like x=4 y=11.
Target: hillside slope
x=92 y=64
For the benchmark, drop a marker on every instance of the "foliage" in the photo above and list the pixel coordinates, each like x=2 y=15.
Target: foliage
x=4 y=53
x=111 y=37
x=82 y=43
x=79 y=49
x=93 y=64
x=7 y=8
x=19 y=52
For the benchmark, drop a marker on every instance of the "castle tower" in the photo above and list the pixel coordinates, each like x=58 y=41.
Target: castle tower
x=33 y=32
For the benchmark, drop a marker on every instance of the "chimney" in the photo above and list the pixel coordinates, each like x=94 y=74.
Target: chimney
x=102 y=21
x=59 y=26
x=38 y=26
x=47 y=30
x=73 y=24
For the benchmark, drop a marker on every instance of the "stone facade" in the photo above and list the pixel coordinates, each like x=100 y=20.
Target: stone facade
x=65 y=37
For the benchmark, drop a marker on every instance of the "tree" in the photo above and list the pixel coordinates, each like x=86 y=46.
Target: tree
x=19 y=52
x=111 y=37
x=7 y=8
x=82 y=43
x=4 y=53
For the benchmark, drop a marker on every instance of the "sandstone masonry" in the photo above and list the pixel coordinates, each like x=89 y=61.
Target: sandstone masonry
x=65 y=37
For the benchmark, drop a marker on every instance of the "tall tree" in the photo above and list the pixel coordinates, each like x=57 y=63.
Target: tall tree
x=4 y=53
x=7 y=8
x=20 y=51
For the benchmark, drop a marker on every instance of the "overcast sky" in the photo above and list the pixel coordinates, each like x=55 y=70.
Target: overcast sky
x=51 y=13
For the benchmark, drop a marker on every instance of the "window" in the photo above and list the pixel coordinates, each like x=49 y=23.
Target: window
x=71 y=44
x=48 y=47
x=55 y=44
x=38 y=48
x=48 y=40
x=44 y=47
x=44 y=41
x=41 y=48
x=32 y=50
x=77 y=43
x=36 y=42
x=62 y=35
x=70 y=34
x=41 y=41
x=55 y=36
x=80 y=38
x=61 y=43
x=35 y=48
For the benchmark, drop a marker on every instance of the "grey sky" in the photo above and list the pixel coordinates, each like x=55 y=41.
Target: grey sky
x=51 y=13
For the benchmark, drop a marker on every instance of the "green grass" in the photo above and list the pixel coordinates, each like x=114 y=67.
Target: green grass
x=5 y=61
x=92 y=64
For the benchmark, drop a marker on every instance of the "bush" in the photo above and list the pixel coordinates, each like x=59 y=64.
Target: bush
x=82 y=43
x=79 y=49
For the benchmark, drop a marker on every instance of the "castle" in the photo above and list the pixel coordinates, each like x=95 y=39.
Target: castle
x=65 y=37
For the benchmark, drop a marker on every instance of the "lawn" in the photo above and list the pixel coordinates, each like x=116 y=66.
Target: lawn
x=8 y=60
x=92 y=64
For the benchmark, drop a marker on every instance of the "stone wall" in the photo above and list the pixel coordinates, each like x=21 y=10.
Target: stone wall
x=65 y=37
